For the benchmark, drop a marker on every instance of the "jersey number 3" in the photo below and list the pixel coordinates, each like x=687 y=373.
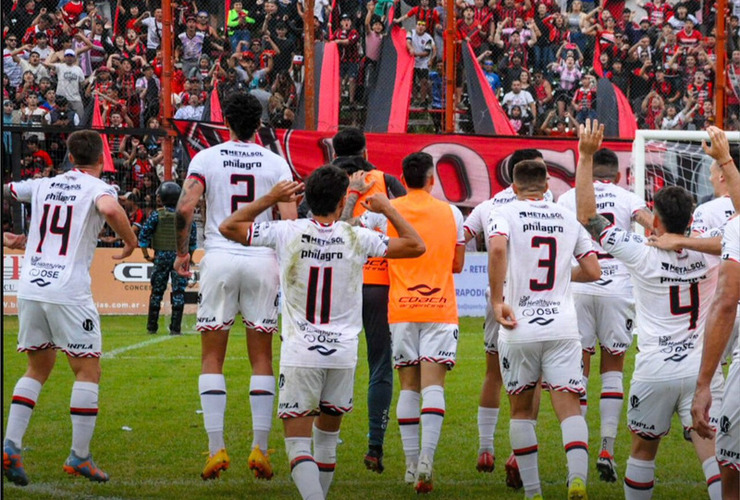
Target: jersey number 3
x=548 y=263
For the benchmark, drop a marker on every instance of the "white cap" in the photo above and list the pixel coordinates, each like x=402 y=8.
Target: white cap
x=70 y=52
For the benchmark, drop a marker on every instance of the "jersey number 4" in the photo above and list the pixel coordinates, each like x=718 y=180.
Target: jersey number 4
x=313 y=289
x=691 y=308
x=247 y=198
x=55 y=228
x=548 y=263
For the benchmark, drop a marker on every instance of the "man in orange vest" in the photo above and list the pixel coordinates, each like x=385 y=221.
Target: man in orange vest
x=422 y=313
x=351 y=155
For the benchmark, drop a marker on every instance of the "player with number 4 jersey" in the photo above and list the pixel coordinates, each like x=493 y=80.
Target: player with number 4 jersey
x=672 y=291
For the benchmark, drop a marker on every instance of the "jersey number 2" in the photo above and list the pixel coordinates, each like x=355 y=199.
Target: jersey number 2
x=548 y=263
x=313 y=289
x=691 y=308
x=249 y=197
x=55 y=228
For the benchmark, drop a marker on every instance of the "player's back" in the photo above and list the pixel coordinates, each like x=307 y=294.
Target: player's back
x=542 y=239
x=62 y=236
x=477 y=221
x=673 y=292
x=619 y=206
x=234 y=173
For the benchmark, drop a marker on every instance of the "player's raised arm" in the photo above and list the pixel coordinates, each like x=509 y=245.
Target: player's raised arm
x=236 y=226
x=589 y=141
x=117 y=219
x=408 y=244
x=677 y=242
x=720 y=151
x=192 y=190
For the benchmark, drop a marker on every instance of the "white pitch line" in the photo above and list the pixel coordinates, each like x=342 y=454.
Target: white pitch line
x=155 y=340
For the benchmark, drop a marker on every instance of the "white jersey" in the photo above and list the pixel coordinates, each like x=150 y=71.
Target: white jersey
x=543 y=238
x=619 y=206
x=321 y=281
x=673 y=292
x=712 y=214
x=62 y=236
x=234 y=173
x=508 y=195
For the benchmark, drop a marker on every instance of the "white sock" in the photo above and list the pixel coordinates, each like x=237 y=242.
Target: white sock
x=610 y=407
x=432 y=416
x=639 y=479
x=575 y=441
x=524 y=445
x=711 y=473
x=261 y=400
x=584 y=397
x=303 y=468
x=212 y=388
x=25 y=395
x=487 y=420
x=407 y=411
x=83 y=408
x=325 y=454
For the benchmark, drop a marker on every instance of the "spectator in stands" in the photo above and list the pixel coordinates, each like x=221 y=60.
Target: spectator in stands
x=33 y=64
x=424 y=12
x=189 y=45
x=489 y=71
x=517 y=121
x=149 y=88
x=421 y=46
x=238 y=23
x=584 y=100
x=619 y=77
x=541 y=90
x=11 y=67
x=263 y=95
x=284 y=47
x=34 y=116
x=556 y=127
x=652 y=111
x=192 y=109
x=680 y=16
x=69 y=79
x=232 y=85
x=348 y=40
x=29 y=86
x=521 y=99
x=62 y=116
x=153 y=27
x=33 y=147
x=733 y=74
x=677 y=120
x=374 y=29
x=285 y=88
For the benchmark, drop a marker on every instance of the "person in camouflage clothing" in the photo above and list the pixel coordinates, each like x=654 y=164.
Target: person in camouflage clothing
x=158 y=232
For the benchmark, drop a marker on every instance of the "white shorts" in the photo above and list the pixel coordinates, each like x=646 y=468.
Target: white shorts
x=557 y=361
x=307 y=391
x=238 y=283
x=74 y=330
x=608 y=319
x=415 y=342
x=490 y=327
x=652 y=404
x=728 y=426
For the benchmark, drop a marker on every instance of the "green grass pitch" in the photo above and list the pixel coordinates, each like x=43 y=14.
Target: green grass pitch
x=150 y=386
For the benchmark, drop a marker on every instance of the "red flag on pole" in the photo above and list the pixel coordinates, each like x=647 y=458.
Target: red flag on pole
x=216 y=113
x=97 y=122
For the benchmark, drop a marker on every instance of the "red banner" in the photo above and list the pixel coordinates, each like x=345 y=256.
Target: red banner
x=469 y=169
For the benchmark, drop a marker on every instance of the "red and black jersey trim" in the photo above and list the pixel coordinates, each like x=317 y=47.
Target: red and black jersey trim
x=300 y=459
x=433 y=411
x=576 y=445
x=84 y=412
x=198 y=178
x=20 y=400
x=638 y=486
x=526 y=451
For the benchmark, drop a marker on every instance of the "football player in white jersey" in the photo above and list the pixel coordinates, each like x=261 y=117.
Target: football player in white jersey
x=605 y=308
x=672 y=293
x=234 y=278
x=321 y=261
x=55 y=305
x=531 y=245
x=490 y=395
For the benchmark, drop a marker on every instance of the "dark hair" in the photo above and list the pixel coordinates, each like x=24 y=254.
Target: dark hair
x=325 y=188
x=416 y=169
x=521 y=155
x=85 y=146
x=530 y=175
x=352 y=164
x=349 y=142
x=243 y=111
x=673 y=205
x=606 y=164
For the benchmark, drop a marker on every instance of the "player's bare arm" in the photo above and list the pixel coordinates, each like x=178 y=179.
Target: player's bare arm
x=357 y=187
x=590 y=136
x=458 y=262
x=644 y=217
x=719 y=150
x=14 y=241
x=192 y=190
x=587 y=270
x=236 y=226
x=497 y=264
x=716 y=335
x=409 y=243
x=677 y=242
x=117 y=219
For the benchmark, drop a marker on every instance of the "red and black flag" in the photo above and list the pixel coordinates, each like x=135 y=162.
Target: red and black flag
x=614 y=111
x=389 y=99
x=486 y=112
x=327 y=89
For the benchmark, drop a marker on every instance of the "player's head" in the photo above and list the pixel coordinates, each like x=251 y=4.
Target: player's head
x=521 y=155
x=85 y=148
x=717 y=178
x=606 y=165
x=325 y=190
x=530 y=176
x=242 y=113
x=169 y=193
x=417 y=170
x=349 y=142
x=673 y=206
